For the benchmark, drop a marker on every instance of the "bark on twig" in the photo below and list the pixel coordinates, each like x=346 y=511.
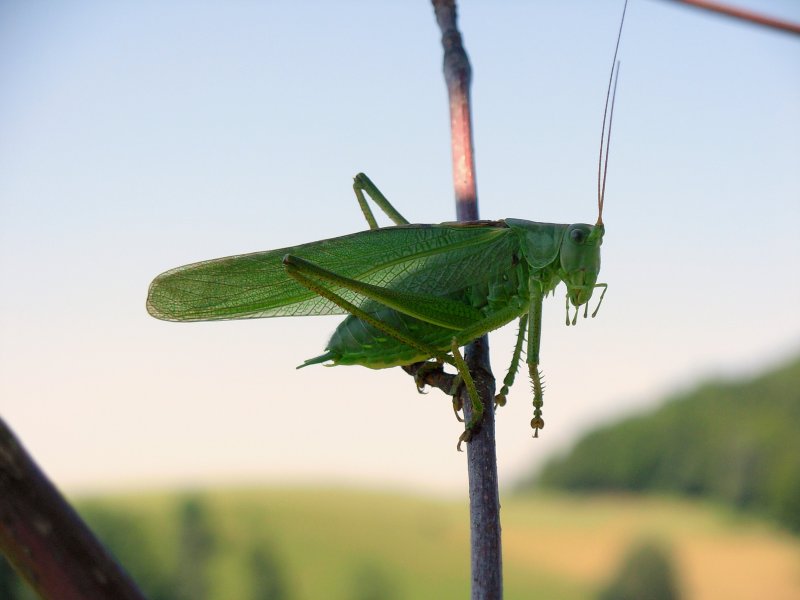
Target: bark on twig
x=485 y=555
x=44 y=538
x=458 y=77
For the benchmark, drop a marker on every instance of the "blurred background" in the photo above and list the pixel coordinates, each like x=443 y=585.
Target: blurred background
x=137 y=137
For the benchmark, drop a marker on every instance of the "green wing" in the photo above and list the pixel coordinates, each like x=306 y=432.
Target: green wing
x=432 y=259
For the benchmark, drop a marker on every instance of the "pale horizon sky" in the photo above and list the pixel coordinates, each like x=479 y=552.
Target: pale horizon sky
x=137 y=137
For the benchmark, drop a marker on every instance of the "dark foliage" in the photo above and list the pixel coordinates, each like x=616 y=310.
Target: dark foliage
x=731 y=441
x=196 y=545
x=646 y=572
x=122 y=533
x=372 y=582
x=269 y=580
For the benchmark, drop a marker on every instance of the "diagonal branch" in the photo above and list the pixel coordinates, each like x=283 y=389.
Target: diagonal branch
x=742 y=14
x=45 y=539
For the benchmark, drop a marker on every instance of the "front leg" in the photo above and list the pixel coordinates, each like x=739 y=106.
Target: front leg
x=508 y=381
x=534 y=338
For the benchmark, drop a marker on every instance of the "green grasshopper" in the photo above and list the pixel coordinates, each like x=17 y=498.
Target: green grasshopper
x=411 y=292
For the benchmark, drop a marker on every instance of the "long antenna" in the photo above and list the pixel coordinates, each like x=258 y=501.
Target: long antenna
x=602 y=195
x=605 y=140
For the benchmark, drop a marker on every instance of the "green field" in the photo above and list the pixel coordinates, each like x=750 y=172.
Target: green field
x=307 y=543
x=334 y=543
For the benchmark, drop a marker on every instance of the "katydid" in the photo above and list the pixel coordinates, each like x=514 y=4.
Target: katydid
x=411 y=293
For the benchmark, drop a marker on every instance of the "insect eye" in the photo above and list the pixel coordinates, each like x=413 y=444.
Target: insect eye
x=577 y=235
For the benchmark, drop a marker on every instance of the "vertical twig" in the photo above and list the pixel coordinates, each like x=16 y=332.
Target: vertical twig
x=44 y=538
x=458 y=77
x=486 y=556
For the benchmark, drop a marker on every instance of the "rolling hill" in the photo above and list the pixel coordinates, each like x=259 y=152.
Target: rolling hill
x=733 y=441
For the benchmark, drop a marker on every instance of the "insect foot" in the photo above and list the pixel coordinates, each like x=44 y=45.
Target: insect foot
x=458 y=402
x=465 y=437
x=424 y=370
x=537 y=422
x=431 y=373
x=458 y=405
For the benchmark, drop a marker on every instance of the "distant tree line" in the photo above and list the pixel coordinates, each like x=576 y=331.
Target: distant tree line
x=731 y=441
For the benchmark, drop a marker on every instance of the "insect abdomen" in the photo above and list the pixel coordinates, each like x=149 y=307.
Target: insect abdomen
x=355 y=342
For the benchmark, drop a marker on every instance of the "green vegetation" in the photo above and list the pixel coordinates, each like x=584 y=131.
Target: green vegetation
x=646 y=572
x=196 y=546
x=304 y=544
x=731 y=441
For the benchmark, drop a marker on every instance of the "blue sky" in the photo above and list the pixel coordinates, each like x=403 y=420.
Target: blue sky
x=140 y=136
